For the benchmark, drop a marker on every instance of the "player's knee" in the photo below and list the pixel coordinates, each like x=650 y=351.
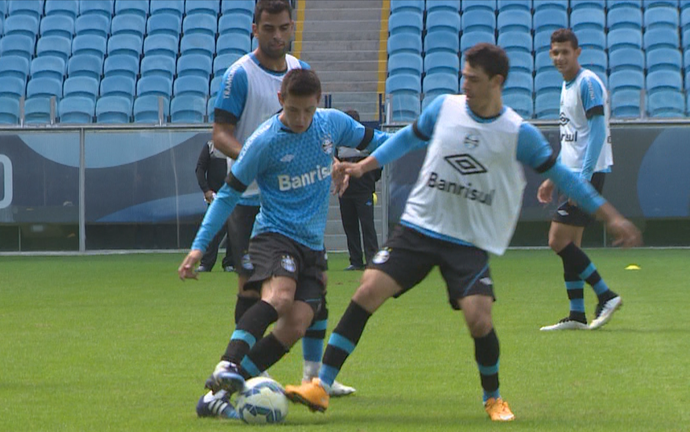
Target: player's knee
x=369 y=295
x=480 y=326
x=282 y=301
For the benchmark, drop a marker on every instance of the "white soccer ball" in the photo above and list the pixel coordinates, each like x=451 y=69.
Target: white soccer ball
x=262 y=401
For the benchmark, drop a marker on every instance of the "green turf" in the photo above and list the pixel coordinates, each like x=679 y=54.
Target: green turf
x=119 y=343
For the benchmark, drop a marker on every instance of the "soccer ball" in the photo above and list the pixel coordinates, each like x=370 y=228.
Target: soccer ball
x=262 y=401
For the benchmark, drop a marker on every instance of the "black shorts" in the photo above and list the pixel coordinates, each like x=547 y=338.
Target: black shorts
x=240 y=225
x=573 y=215
x=273 y=254
x=408 y=256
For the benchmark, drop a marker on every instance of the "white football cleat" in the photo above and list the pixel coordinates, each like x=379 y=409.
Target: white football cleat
x=605 y=312
x=340 y=389
x=566 y=324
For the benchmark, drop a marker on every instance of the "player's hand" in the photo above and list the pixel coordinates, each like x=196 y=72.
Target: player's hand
x=209 y=196
x=187 y=269
x=626 y=234
x=353 y=169
x=340 y=180
x=545 y=192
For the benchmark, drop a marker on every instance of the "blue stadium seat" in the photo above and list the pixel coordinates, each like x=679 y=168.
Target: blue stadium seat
x=13 y=87
x=685 y=19
x=44 y=87
x=37 y=110
x=515 y=41
x=661 y=17
x=548 y=81
x=154 y=86
x=187 y=109
x=117 y=86
x=626 y=103
x=661 y=38
x=200 y=23
x=405 y=22
x=403 y=83
x=233 y=44
x=222 y=62
x=48 y=66
x=132 y=7
x=440 y=83
x=210 y=108
x=102 y=8
x=542 y=41
x=239 y=7
x=57 y=46
x=9 y=110
x=519 y=20
x=18 y=45
x=81 y=86
x=520 y=103
x=175 y=7
x=89 y=44
x=615 y=4
x=237 y=23
x=146 y=109
x=161 y=44
x=626 y=59
x=215 y=86
x=686 y=64
x=85 y=65
x=128 y=24
x=405 y=42
x=113 y=110
x=648 y=4
x=470 y=5
x=507 y=5
x=126 y=44
x=594 y=60
x=559 y=5
x=519 y=82
x=255 y=43
x=468 y=40
x=121 y=65
x=158 y=65
x=32 y=8
x=549 y=19
x=69 y=8
x=686 y=40
x=57 y=25
x=164 y=23
x=96 y=25
x=405 y=63
x=403 y=6
x=664 y=59
x=478 y=20
x=626 y=80
x=2 y=23
x=21 y=25
x=198 y=44
x=77 y=109
x=194 y=65
x=443 y=20
x=547 y=105
x=206 y=7
x=587 y=4
x=663 y=80
x=520 y=61
x=14 y=66
x=684 y=4
x=588 y=19
x=191 y=85
x=3 y=7
x=625 y=17
x=443 y=62
x=624 y=38
x=405 y=107
x=666 y=104
x=451 y=6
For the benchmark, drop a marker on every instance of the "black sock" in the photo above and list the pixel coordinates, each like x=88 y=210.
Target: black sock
x=244 y=303
x=262 y=356
x=579 y=263
x=486 y=352
x=249 y=330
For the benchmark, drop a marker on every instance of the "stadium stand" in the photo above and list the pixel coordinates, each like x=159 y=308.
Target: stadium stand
x=442 y=62
x=205 y=7
x=67 y=8
x=187 y=109
x=164 y=23
x=132 y=7
x=507 y=5
x=33 y=8
x=37 y=110
x=85 y=65
x=121 y=64
x=117 y=86
x=57 y=25
x=14 y=66
x=246 y=7
x=93 y=24
x=113 y=109
x=399 y=5
x=146 y=109
x=19 y=45
x=406 y=63
x=175 y=7
x=81 y=86
x=452 y=6
x=47 y=67
x=75 y=109
x=237 y=23
x=21 y=25
x=128 y=24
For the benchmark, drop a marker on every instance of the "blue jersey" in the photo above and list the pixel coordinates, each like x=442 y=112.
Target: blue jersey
x=293 y=172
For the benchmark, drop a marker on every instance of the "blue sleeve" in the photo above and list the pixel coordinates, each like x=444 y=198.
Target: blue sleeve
x=351 y=133
x=427 y=120
x=217 y=214
x=248 y=163
x=574 y=187
x=591 y=93
x=401 y=143
x=595 y=142
x=532 y=150
x=304 y=65
x=232 y=93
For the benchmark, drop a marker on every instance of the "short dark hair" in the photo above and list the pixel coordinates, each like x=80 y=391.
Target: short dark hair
x=565 y=35
x=491 y=58
x=352 y=113
x=301 y=82
x=272 y=7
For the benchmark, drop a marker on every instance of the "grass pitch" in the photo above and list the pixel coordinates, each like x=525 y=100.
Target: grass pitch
x=118 y=343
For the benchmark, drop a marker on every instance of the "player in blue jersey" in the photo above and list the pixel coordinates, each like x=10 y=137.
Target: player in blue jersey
x=290 y=156
x=465 y=204
x=586 y=151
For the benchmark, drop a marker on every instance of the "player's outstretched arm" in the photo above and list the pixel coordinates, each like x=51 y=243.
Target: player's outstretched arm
x=187 y=269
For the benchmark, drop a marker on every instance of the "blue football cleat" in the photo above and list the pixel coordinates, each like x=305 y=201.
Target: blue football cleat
x=216 y=405
x=226 y=377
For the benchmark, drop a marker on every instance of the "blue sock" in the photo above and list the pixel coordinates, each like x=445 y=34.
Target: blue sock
x=312 y=342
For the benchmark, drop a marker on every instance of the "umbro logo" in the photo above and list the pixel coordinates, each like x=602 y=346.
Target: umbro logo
x=562 y=212
x=465 y=164
x=287 y=158
x=486 y=281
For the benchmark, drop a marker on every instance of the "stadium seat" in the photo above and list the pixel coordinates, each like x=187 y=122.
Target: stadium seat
x=2 y=23
x=625 y=17
x=520 y=61
x=13 y=87
x=663 y=80
x=649 y=4
x=164 y=23
x=594 y=60
x=664 y=59
x=626 y=80
x=587 y=4
x=443 y=20
x=21 y=25
x=255 y=44
x=241 y=7
x=478 y=20
x=624 y=38
x=187 y=109
x=661 y=38
x=401 y=6
x=210 y=108
x=175 y=7
x=126 y=44
x=588 y=19
x=3 y=7
x=559 y=5
x=81 y=86
x=9 y=110
x=191 y=85
x=158 y=65
x=57 y=46
x=215 y=86
x=233 y=44
x=238 y=23
x=37 y=110
x=14 y=66
x=684 y=4
x=548 y=81
x=542 y=42
x=403 y=83
x=33 y=8
x=548 y=20
x=198 y=44
x=515 y=41
x=443 y=62
x=626 y=59
x=613 y=5
x=406 y=42
x=161 y=44
x=85 y=65
x=405 y=107
x=222 y=62
x=89 y=44
x=19 y=45
x=76 y=109
x=666 y=104
x=68 y=8
x=471 y=5
x=519 y=82
x=626 y=103
x=405 y=63
x=96 y=25
x=113 y=110
x=661 y=17
x=121 y=65
x=57 y=25
x=48 y=66
x=547 y=105
x=102 y=8
x=685 y=18
x=128 y=24
x=44 y=87
x=132 y=7
x=200 y=23
x=194 y=65
x=146 y=109
x=470 y=39
x=507 y=5
x=518 y=20
x=205 y=7
x=117 y=86
x=440 y=83
x=405 y=22
x=520 y=103
x=154 y=86
x=451 y=6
